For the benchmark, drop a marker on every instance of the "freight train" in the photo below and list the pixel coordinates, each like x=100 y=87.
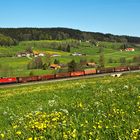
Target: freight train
x=11 y=80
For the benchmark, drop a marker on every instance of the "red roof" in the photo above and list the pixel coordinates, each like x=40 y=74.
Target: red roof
x=130 y=49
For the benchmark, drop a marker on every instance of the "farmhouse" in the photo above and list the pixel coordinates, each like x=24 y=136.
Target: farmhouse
x=91 y=64
x=55 y=66
x=130 y=49
x=36 y=53
x=41 y=54
x=24 y=54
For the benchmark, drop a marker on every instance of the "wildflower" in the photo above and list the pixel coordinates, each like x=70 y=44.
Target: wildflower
x=106 y=127
x=2 y=135
x=111 y=90
x=51 y=103
x=90 y=133
x=114 y=126
x=15 y=126
x=65 y=111
x=125 y=86
x=18 y=132
x=86 y=121
x=30 y=138
x=81 y=105
x=65 y=136
x=74 y=133
x=82 y=125
x=135 y=130
x=99 y=126
x=41 y=137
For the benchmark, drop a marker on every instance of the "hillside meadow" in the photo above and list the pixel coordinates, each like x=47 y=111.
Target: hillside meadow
x=89 y=109
x=10 y=65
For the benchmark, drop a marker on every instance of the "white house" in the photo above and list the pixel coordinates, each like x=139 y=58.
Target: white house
x=76 y=54
x=41 y=54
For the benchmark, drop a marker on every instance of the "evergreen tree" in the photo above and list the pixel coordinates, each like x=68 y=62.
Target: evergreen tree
x=56 y=61
x=101 y=57
x=68 y=48
x=101 y=60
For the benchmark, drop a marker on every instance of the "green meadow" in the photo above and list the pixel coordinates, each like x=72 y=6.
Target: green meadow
x=90 y=109
x=10 y=65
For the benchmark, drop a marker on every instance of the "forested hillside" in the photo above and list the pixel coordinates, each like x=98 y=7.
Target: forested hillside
x=14 y=35
x=6 y=40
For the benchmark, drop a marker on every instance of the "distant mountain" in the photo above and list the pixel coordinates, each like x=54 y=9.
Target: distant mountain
x=23 y=34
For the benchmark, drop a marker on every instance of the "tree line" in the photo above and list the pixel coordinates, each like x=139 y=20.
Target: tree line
x=25 y=34
x=7 y=41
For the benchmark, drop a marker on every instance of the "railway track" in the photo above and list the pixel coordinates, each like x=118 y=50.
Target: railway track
x=65 y=79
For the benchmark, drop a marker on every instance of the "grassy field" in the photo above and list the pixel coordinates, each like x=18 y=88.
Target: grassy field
x=13 y=66
x=99 y=108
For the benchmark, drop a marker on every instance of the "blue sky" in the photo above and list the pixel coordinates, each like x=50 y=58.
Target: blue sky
x=120 y=17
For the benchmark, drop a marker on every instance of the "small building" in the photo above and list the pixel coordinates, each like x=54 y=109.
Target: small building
x=55 y=66
x=41 y=54
x=76 y=54
x=91 y=64
x=55 y=55
x=35 y=53
x=130 y=49
x=19 y=55
x=22 y=54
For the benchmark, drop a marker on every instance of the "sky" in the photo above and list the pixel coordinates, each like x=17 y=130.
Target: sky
x=120 y=17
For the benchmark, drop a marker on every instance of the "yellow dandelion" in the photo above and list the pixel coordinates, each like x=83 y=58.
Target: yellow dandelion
x=15 y=126
x=81 y=105
x=2 y=135
x=41 y=137
x=106 y=127
x=86 y=122
x=65 y=136
x=99 y=126
x=18 y=133
x=82 y=125
x=74 y=133
x=91 y=133
x=134 y=137
x=30 y=138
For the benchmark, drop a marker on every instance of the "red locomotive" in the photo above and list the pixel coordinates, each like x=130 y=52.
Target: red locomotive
x=8 y=80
